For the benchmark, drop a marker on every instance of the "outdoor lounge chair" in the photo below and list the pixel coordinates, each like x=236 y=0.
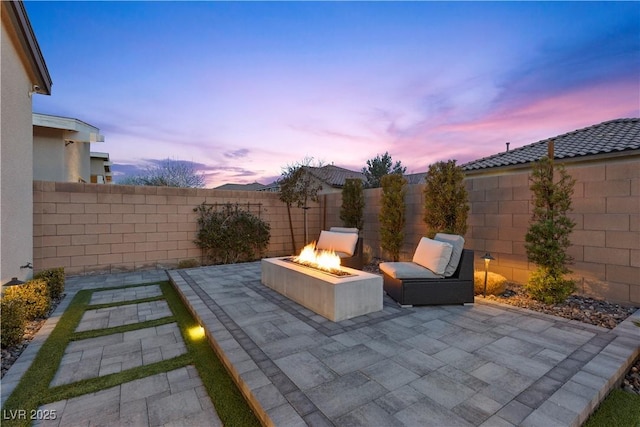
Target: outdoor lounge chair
x=347 y=246
x=441 y=273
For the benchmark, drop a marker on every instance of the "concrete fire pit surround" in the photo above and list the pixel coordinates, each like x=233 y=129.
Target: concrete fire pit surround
x=335 y=298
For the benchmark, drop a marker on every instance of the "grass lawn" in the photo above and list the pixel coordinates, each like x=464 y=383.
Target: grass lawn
x=618 y=409
x=33 y=389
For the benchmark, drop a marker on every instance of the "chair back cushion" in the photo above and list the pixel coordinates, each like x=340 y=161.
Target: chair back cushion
x=457 y=242
x=339 y=242
x=433 y=255
x=344 y=230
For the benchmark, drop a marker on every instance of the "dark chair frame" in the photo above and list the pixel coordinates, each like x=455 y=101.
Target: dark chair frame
x=456 y=289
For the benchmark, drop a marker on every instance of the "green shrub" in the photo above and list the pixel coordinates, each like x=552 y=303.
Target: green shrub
x=34 y=295
x=547 y=238
x=496 y=283
x=445 y=199
x=392 y=214
x=546 y=287
x=13 y=321
x=188 y=263
x=352 y=210
x=231 y=234
x=55 y=280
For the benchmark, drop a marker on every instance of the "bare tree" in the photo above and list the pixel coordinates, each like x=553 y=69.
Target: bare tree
x=168 y=173
x=299 y=187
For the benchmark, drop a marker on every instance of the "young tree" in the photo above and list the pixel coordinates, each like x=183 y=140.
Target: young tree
x=299 y=187
x=548 y=236
x=392 y=214
x=352 y=210
x=379 y=167
x=445 y=199
x=168 y=173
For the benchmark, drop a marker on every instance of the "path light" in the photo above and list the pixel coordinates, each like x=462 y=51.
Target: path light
x=487 y=259
x=196 y=332
x=13 y=282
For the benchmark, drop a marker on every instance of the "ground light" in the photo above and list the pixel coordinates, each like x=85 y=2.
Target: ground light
x=487 y=259
x=196 y=333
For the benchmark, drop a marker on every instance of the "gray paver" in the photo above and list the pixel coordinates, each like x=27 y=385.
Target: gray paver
x=455 y=365
x=95 y=357
x=463 y=364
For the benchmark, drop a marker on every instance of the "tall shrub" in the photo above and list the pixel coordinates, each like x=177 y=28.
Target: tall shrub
x=547 y=238
x=231 y=234
x=352 y=210
x=446 y=203
x=392 y=214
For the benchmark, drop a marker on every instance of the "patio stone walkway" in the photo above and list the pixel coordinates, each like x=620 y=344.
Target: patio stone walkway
x=174 y=398
x=485 y=364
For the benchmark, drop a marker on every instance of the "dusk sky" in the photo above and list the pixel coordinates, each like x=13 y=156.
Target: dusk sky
x=245 y=88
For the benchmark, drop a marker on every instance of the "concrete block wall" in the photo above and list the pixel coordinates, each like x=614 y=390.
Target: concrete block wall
x=89 y=228
x=605 y=241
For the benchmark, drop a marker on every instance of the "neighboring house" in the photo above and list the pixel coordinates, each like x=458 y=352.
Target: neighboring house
x=24 y=73
x=101 y=168
x=62 y=148
x=332 y=178
x=610 y=139
x=255 y=186
x=605 y=161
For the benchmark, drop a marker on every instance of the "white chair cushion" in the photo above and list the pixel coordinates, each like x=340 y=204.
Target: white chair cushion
x=457 y=242
x=407 y=270
x=433 y=255
x=344 y=230
x=339 y=242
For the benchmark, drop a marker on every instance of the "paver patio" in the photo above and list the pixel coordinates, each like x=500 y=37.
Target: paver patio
x=483 y=365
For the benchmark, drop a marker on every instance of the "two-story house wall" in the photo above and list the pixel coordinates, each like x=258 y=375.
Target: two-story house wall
x=62 y=148
x=23 y=73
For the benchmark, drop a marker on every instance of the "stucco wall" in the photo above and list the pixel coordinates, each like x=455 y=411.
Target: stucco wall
x=48 y=154
x=89 y=228
x=606 y=239
x=16 y=153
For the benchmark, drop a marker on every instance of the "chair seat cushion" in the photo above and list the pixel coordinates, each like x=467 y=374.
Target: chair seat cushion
x=457 y=242
x=408 y=270
x=433 y=255
x=338 y=242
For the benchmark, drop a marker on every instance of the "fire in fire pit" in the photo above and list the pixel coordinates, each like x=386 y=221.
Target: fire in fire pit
x=325 y=261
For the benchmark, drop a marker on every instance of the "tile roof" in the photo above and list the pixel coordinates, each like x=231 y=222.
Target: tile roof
x=612 y=136
x=255 y=186
x=335 y=176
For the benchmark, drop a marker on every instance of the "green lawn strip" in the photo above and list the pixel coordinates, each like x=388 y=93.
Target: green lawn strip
x=123 y=303
x=35 y=382
x=230 y=405
x=92 y=385
x=620 y=408
x=94 y=333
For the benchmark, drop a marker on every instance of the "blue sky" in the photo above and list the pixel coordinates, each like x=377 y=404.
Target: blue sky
x=245 y=88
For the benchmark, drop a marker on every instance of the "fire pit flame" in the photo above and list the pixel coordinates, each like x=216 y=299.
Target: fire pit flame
x=322 y=259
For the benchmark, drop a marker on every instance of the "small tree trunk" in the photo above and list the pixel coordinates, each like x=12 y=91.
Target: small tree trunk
x=293 y=239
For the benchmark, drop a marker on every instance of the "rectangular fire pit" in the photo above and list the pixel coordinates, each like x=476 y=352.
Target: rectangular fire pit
x=336 y=298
